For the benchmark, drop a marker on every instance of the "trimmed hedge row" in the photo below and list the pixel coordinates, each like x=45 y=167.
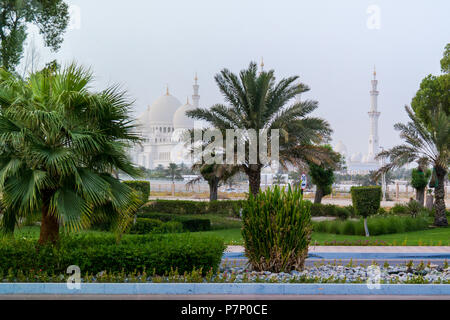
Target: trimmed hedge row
x=94 y=254
x=143 y=187
x=146 y=225
x=377 y=225
x=187 y=207
x=331 y=210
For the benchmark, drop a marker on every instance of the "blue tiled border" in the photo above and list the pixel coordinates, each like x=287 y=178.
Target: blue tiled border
x=224 y=288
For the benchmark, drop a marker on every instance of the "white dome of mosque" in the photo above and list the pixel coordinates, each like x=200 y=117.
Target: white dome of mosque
x=356 y=157
x=181 y=120
x=341 y=148
x=163 y=109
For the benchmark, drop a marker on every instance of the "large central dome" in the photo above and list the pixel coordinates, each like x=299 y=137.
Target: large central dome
x=163 y=109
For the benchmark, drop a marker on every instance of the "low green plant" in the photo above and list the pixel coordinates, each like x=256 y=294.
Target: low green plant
x=277 y=230
x=94 y=254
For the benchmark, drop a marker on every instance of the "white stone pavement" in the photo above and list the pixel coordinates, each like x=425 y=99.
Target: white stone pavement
x=367 y=249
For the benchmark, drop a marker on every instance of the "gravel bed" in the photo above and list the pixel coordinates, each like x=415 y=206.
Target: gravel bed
x=344 y=274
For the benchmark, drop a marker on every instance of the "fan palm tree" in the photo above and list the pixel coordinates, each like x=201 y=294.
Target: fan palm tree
x=59 y=145
x=256 y=101
x=424 y=144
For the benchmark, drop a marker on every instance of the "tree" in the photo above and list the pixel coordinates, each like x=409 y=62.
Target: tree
x=215 y=175
x=59 y=144
x=323 y=175
x=428 y=142
x=419 y=180
x=173 y=171
x=434 y=92
x=257 y=102
x=50 y=16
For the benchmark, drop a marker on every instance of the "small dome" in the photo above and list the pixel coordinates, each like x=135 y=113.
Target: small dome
x=162 y=110
x=356 y=157
x=341 y=148
x=181 y=120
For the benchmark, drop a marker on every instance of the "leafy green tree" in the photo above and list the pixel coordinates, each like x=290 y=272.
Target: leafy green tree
x=419 y=180
x=215 y=175
x=428 y=142
x=434 y=93
x=323 y=175
x=256 y=101
x=50 y=16
x=59 y=144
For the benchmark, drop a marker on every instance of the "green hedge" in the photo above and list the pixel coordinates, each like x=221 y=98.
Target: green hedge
x=186 y=207
x=377 y=225
x=143 y=187
x=194 y=225
x=331 y=210
x=145 y=225
x=94 y=254
x=366 y=200
x=163 y=223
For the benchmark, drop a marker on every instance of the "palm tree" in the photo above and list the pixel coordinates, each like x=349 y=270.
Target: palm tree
x=173 y=171
x=424 y=144
x=59 y=144
x=215 y=175
x=256 y=101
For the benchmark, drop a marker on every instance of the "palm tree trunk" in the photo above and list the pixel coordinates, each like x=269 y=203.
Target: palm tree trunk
x=254 y=178
x=420 y=196
x=49 y=224
x=440 y=219
x=213 y=186
x=318 y=196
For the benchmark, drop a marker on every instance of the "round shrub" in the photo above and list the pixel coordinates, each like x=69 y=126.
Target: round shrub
x=277 y=230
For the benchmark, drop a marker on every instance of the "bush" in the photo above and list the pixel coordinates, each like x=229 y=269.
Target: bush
x=377 y=225
x=366 y=200
x=399 y=209
x=330 y=210
x=171 y=227
x=276 y=230
x=143 y=187
x=194 y=225
x=186 y=207
x=145 y=225
x=94 y=254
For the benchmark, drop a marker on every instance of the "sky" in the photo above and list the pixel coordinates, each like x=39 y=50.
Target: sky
x=332 y=46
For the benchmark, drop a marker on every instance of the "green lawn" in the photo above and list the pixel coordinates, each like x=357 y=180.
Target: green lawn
x=426 y=237
x=436 y=236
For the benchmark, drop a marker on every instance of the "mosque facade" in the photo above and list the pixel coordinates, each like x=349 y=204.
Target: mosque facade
x=161 y=126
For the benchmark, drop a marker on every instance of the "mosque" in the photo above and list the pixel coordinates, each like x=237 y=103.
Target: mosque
x=161 y=125
x=357 y=163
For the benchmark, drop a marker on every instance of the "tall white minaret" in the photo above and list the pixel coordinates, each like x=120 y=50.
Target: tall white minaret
x=373 y=116
x=195 y=96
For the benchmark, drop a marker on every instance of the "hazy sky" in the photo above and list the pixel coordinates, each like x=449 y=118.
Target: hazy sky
x=331 y=45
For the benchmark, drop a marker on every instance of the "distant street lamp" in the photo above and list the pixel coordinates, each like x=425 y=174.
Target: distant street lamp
x=383 y=177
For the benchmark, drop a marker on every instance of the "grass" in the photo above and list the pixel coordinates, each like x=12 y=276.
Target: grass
x=434 y=236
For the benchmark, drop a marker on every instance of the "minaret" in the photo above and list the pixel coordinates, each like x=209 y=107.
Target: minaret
x=195 y=96
x=373 y=116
